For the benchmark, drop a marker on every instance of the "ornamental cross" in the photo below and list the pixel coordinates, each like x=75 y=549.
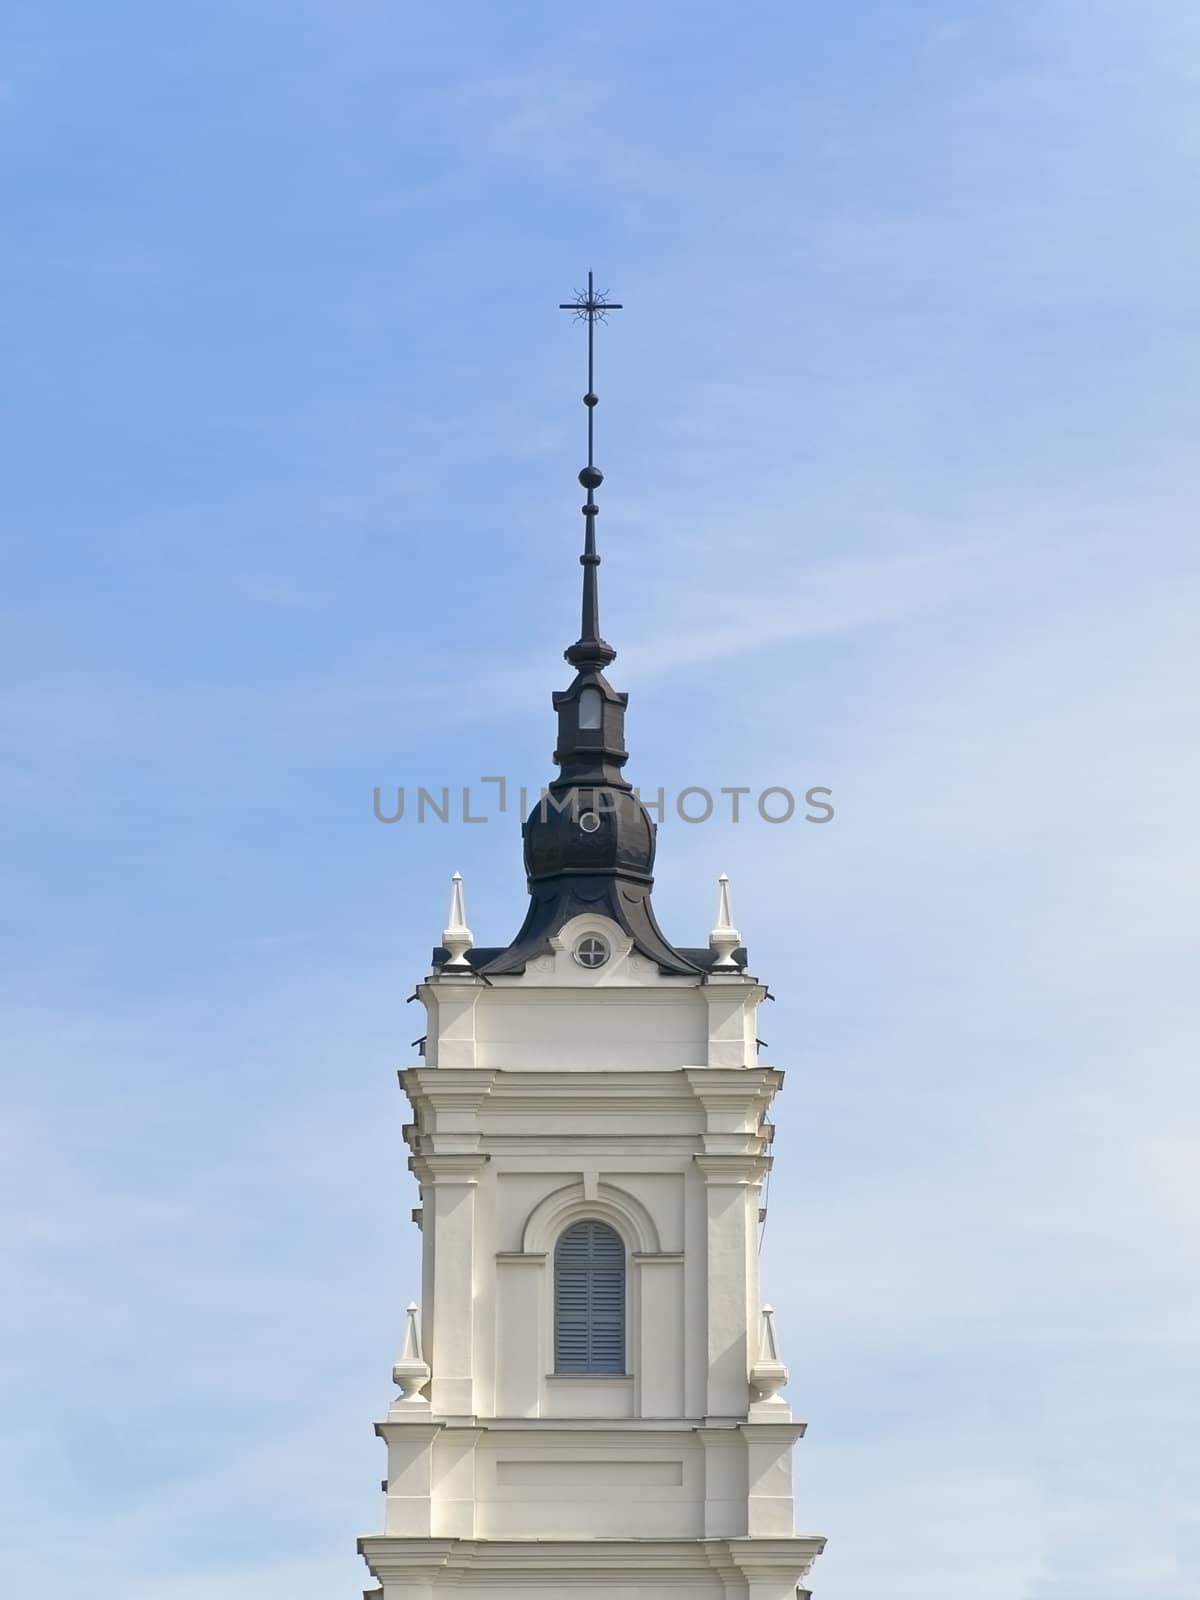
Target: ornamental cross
x=591 y=307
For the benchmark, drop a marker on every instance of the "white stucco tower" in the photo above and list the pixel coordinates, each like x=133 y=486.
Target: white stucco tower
x=589 y=1399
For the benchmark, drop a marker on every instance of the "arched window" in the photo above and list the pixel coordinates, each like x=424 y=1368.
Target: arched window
x=589 y=1300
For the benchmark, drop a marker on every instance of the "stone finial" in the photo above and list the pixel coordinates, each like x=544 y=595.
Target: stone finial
x=724 y=938
x=768 y=1375
x=456 y=936
x=411 y=1373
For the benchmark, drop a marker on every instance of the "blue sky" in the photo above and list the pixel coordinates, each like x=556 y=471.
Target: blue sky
x=899 y=427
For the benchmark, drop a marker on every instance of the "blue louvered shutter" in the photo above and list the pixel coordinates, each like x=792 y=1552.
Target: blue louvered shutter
x=589 y=1300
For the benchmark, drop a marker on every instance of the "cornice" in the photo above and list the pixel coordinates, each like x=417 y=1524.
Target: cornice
x=449 y=1167
x=767 y=1556
x=420 y=1431
x=734 y=1083
x=592 y=1563
x=585 y=1101
x=533 y=1081
x=511 y=1093
x=623 y=1433
x=464 y=1088
x=782 y=1433
x=634 y=1149
x=630 y=992
x=733 y=1169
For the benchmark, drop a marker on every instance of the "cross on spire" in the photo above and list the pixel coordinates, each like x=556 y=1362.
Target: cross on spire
x=590 y=649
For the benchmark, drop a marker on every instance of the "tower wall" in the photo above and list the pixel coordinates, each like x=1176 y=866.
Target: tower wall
x=636 y=1099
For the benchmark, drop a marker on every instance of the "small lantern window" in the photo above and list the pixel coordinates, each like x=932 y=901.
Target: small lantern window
x=591 y=709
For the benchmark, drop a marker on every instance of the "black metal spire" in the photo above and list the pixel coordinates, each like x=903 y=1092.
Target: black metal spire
x=590 y=649
x=589 y=843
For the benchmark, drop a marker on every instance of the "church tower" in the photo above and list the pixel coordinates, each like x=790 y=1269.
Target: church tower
x=589 y=1399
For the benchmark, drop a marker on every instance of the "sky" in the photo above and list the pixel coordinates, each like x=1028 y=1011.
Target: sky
x=898 y=426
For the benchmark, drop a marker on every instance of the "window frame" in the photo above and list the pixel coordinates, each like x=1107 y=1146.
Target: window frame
x=596 y=1320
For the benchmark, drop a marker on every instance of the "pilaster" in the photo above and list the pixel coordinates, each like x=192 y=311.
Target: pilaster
x=769 y=1477
x=449 y=1184
x=450 y=1002
x=658 y=1360
x=733 y=1002
x=520 y=1331
x=731 y=1228
x=408 y=1507
x=454 y=1475
x=724 y=1482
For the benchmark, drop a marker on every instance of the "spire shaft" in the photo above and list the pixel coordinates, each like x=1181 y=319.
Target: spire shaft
x=590 y=649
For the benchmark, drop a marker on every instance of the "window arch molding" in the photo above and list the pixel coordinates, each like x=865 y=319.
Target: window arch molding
x=555 y=1213
x=569 y=935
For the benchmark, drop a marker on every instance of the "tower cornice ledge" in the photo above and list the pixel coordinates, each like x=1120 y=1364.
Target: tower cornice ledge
x=402 y=1427
x=731 y=1086
x=450 y=1167
x=459 y=1088
x=733 y=1169
x=515 y=1091
x=569 y=1564
x=735 y=1101
x=783 y=1432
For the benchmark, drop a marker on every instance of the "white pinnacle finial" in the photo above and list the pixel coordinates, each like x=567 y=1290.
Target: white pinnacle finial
x=724 y=938
x=411 y=1372
x=770 y=1350
x=768 y=1375
x=456 y=936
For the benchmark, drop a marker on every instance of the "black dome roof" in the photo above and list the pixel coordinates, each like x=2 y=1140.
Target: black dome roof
x=596 y=830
